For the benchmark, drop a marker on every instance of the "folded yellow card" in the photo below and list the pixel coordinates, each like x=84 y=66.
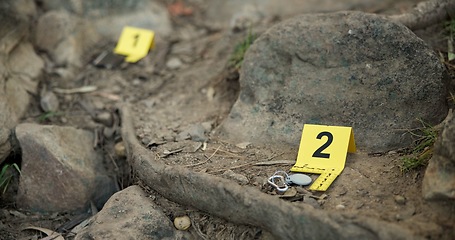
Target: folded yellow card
x=323 y=150
x=135 y=43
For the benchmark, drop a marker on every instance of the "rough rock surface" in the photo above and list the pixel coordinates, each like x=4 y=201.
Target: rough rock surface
x=346 y=68
x=117 y=14
x=20 y=68
x=65 y=37
x=60 y=170
x=439 y=180
x=70 y=28
x=130 y=214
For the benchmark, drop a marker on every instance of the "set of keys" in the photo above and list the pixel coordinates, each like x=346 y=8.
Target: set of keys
x=281 y=180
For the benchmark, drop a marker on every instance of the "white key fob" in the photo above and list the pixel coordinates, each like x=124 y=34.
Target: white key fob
x=298 y=179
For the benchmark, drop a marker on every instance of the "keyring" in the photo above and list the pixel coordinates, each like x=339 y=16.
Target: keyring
x=273 y=181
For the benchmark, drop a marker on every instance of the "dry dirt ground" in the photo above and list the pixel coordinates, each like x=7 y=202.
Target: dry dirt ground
x=202 y=90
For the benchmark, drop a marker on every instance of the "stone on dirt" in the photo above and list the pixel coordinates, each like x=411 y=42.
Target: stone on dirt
x=439 y=180
x=20 y=68
x=60 y=170
x=70 y=28
x=109 y=17
x=49 y=101
x=345 y=68
x=194 y=132
x=130 y=214
x=65 y=37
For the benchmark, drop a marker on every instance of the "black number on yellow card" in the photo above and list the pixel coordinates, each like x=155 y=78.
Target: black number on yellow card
x=318 y=153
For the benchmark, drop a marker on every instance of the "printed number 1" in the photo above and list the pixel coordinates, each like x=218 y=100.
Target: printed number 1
x=136 y=37
x=318 y=153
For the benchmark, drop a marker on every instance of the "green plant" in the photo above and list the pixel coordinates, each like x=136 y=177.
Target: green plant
x=423 y=149
x=236 y=58
x=47 y=115
x=5 y=177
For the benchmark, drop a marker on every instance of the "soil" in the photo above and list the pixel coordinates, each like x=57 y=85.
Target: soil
x=202 y=90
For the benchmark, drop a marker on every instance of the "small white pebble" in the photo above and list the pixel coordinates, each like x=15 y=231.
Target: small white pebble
x=340 y=207
x=182 y=223
x=174 y=63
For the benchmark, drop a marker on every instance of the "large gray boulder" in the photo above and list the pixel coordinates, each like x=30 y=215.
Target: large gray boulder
x=345 y=68
x=60 y=170
x=131 y=214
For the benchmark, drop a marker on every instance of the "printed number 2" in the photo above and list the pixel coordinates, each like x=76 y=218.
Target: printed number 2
x=318 y=153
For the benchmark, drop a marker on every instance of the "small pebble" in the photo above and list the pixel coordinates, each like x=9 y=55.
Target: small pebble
x=120 y=149
x=243 y=145
x=400 y=199
x=49 y=102
x=340 y=207
x=174 y=63
x=104 y=118
x=182 y=223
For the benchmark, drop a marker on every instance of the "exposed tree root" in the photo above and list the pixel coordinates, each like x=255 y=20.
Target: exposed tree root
x=246 y=205
x=426 y=14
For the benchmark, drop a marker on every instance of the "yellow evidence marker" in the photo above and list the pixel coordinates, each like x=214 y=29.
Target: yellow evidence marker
x=323 y=150
x=135 y=43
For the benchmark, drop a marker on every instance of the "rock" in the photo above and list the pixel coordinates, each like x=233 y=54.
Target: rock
x=6 y=146
x=194 y=132
x=65 y=37
x=60 y=170
x=239 y=178
x=439 y=180
x=405 y=212
x=20 y=68
x=346 y=68
x=340 y=207
x=400 y=199
x=208 y=126
x=243 y=13
x=120 y=150
x=130 y=214
x=25 y=63
x=24 y=8
x=174 y=63
x=105 y=118
x=117 y=14
x=49 y=102
x=243 y=145
x=182 y=223
x=70 y=28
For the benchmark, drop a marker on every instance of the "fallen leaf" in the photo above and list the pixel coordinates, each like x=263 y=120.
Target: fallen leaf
x=50 y=234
